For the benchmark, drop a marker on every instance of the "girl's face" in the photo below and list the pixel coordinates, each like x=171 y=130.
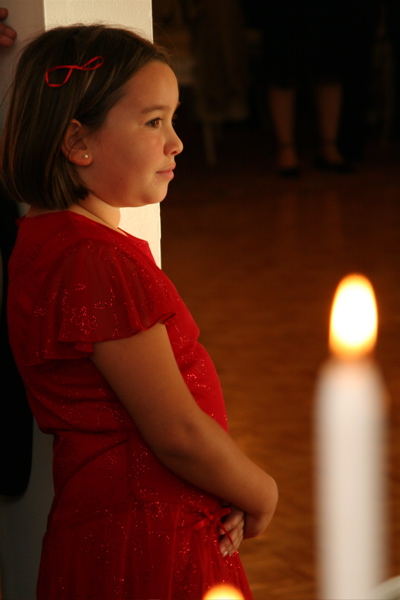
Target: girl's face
x=133 y=153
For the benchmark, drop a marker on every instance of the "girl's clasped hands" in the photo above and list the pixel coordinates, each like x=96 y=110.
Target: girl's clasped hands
x=7 y=35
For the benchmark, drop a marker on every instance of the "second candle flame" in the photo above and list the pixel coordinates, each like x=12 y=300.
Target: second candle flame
x=223 y=592
x=354 y=319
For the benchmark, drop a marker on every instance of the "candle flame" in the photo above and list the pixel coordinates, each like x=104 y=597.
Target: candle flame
x=354 y=318
x=223 y=592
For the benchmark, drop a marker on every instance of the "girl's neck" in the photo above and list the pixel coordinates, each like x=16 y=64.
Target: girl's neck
x=94 y=208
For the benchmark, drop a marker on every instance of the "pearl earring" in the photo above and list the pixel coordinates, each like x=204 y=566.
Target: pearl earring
x=86 y=156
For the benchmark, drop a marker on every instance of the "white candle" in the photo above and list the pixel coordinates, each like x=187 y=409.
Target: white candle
x=350 y=407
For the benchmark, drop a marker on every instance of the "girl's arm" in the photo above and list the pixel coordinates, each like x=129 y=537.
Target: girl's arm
x=143 y=373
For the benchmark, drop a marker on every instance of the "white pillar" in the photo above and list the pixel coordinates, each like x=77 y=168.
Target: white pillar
x=23 y=520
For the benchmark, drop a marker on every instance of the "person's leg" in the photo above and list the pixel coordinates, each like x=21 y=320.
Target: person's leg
x=282 y=106
x=328 y=100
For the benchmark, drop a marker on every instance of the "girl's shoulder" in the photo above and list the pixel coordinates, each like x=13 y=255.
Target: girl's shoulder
x=56 y=244
x=59 y=231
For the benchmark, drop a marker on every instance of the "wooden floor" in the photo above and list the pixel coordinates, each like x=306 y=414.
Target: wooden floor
x=257 y=259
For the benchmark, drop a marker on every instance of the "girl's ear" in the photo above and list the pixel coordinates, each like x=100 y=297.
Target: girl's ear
x=75 y=146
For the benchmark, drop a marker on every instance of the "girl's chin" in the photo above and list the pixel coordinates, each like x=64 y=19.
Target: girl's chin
x=143 y=203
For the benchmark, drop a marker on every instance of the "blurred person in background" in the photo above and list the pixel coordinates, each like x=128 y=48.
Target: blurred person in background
x=15 y=415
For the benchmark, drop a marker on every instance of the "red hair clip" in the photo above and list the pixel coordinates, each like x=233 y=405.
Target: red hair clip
x=88 y=66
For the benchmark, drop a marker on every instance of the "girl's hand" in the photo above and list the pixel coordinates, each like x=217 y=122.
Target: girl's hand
x=234 y=524
x=255 y=525
x=7 y=35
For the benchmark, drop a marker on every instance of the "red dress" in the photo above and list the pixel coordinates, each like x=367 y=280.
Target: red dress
x=122 y=525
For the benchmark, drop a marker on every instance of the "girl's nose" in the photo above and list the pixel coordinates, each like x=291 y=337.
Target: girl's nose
x=175 y=145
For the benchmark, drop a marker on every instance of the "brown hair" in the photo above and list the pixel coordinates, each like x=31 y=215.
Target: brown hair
x=33 y=168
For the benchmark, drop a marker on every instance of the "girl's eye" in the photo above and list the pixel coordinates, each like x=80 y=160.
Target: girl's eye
x=154 y=123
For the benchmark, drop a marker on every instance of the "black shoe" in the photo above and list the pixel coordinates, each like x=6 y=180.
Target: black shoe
x=334 y=167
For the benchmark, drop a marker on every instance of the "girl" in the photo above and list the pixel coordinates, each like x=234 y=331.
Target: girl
x=152 y=497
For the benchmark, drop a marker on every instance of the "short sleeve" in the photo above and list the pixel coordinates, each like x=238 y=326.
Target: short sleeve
x=96 y=292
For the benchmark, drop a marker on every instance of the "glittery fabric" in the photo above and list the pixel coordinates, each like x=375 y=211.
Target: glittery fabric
x=122 y=526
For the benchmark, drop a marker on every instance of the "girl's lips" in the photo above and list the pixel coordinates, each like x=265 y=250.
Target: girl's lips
x=167 y=173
